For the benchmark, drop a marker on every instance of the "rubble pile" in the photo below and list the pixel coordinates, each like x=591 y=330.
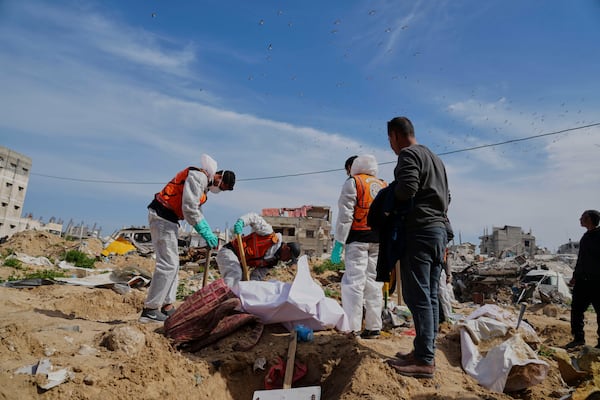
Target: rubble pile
x=512 y=280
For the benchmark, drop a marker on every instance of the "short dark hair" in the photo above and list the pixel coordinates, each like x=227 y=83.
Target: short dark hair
x=349 y=162
x=594 y=216
x=227 y=177
x=294 y=250
x=401 y=125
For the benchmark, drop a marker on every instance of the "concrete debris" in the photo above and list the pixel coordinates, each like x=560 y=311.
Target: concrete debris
x=541 y=279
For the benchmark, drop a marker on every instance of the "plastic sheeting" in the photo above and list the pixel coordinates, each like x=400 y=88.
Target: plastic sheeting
x=509 y=366
x=119 y=246
x=300 y=302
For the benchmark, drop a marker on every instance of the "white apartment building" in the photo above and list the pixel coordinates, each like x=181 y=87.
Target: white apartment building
x=14 y=176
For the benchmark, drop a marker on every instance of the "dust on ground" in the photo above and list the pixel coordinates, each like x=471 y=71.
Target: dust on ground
x=83 y=329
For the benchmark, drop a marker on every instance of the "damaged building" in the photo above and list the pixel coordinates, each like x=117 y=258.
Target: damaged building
x=308 y=225
x=14 y=177
x=568 y=248
x=507 y=241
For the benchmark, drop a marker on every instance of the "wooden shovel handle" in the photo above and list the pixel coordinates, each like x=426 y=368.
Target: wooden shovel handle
x=398 y=283
x=245 y=276
x=206 y=267
x=291 y=358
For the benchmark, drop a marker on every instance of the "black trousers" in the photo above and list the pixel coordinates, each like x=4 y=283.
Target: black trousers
x=585 y=292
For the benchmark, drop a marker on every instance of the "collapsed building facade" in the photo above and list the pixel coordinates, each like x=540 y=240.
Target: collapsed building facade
x=507 y=241
x=308 y=225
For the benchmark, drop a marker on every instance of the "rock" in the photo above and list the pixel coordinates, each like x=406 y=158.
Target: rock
x=126 y=339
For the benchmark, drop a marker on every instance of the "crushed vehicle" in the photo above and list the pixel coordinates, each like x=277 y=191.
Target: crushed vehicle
x=550 y=285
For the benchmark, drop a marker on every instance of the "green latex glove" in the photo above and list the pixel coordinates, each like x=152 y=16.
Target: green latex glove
x=204 y=230
x=239 y=226
x=336 y=253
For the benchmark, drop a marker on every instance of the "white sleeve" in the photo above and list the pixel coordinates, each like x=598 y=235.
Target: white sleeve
x=257 y=223
x=270 y=254
x=345 y=216
x=193 y=189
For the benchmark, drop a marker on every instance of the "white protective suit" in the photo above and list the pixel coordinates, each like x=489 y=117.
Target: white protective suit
x=229 y=263
x=163 y=287
x=359 y=287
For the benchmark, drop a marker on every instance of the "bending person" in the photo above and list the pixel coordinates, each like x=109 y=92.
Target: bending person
x=263 y=249
x=181 y=199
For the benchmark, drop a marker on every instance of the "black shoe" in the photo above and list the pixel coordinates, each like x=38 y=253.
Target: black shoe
x=367 y=334
x=575 y=343
x=167 y=312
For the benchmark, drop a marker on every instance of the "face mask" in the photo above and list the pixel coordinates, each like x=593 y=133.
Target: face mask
x=215 y=188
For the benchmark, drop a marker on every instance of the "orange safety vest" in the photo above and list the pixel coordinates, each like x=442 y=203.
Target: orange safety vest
x=172 y=193
x=255 y=247
x=367 y=187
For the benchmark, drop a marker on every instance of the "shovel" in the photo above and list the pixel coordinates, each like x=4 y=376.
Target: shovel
x=245 y=276
x=206 y=267
x=386 y=315
x=389 y=316
x=289 y=393
x=521 y=312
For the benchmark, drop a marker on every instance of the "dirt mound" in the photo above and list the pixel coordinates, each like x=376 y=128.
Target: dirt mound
x=94 y=334
x=36 y=244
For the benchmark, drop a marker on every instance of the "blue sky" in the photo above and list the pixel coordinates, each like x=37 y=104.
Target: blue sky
x=115 y=97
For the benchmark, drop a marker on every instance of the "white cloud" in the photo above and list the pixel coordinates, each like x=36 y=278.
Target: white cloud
x=92 y=97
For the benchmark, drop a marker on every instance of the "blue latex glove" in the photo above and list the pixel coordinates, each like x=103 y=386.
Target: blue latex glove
x=238 y=227
x=204 y=230
x=336 y=253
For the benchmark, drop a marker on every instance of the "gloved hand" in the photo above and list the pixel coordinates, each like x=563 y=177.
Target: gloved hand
x=204 y=230
x=238 y=227
x=336 y=253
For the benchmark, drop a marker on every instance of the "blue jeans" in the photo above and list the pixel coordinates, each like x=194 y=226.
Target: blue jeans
x=420 y=268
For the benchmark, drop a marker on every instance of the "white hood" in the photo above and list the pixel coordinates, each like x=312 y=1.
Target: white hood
x=209 y=165
x=365 y=164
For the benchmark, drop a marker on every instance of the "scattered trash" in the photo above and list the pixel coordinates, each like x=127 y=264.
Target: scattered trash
x=71 y=328
x=44 y=368
x=259 y=364
x=121 y=288
x=119 y=246
x=305 y=334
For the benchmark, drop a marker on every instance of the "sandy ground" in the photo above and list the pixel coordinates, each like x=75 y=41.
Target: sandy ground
x=94 y=334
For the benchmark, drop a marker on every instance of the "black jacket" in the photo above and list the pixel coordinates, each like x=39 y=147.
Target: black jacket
x=387 y=216
x=588 y=259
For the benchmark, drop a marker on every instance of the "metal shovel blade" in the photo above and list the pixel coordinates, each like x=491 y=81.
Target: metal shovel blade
x=521 y=312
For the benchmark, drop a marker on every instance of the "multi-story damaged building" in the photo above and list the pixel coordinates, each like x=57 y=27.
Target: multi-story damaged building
x=569 y=248
x=507 y=241
x=14 y=177
x=308 y=225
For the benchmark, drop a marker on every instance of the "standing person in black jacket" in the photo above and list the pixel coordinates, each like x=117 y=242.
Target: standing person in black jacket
x=586 y=278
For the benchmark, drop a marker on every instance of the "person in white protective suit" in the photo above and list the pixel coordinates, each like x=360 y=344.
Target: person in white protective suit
x=446 y=292
x=359 y=287
x=180 y=199
x=263 y=249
